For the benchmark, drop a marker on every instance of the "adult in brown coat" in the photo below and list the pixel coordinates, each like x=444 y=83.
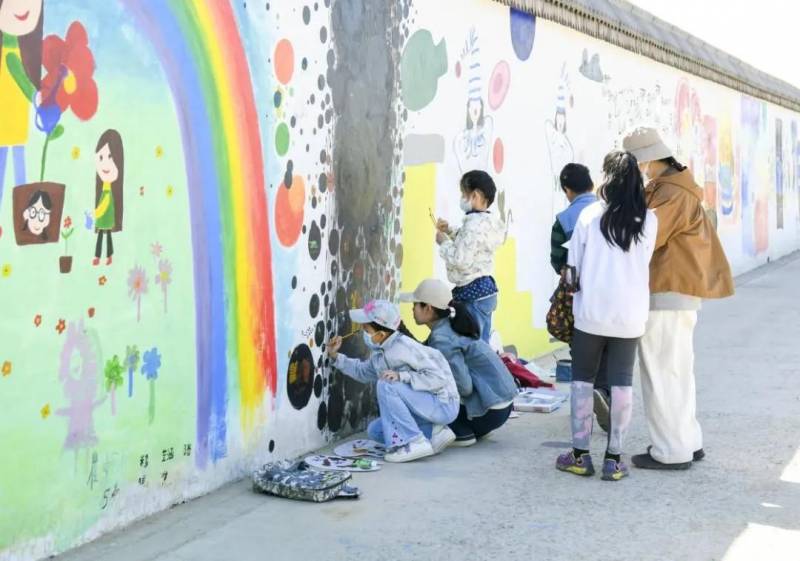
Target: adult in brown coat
x=688 y=264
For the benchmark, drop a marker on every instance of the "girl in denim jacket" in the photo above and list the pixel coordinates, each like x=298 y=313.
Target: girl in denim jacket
x=486 y=387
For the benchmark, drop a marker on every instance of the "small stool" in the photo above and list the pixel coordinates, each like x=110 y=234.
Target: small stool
x=564 y=371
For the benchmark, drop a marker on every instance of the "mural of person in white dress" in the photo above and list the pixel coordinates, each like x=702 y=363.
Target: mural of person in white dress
x=472 y=145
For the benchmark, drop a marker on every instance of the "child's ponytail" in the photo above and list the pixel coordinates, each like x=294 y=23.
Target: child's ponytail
x=461 y=320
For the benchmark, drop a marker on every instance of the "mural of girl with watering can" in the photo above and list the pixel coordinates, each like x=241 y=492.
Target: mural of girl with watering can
x=20 y=75
x=110 y=168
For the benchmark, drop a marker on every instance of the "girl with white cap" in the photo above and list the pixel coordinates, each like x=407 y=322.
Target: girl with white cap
x=688 y=264
x=417 y=396
x=484 y=383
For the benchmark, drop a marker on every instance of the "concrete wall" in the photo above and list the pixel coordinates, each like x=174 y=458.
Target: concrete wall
x=277 y=162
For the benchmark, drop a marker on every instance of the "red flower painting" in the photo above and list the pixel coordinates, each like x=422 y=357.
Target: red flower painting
x=70 y=72
x=61 y=326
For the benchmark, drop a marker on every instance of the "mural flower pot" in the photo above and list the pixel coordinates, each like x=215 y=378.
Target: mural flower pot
x=37 y=211
x=65 y=261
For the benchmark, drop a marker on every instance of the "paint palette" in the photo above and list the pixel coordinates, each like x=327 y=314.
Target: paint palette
x=340 y=463
x=361 y=448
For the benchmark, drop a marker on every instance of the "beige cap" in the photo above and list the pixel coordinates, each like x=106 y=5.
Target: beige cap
x=430 y=291
x=645 y=143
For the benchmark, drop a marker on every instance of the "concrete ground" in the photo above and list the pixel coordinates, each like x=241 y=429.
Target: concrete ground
x=503 y=499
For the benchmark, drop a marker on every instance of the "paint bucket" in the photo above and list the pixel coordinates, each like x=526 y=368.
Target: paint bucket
x=564 y=371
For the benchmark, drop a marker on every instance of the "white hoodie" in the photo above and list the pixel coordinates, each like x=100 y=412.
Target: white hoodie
x=469 y=253
x=614 y=295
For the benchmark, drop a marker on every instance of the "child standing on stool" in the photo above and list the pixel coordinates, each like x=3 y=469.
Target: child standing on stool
x=576 y=183
x=417 y=395
x=468 y=252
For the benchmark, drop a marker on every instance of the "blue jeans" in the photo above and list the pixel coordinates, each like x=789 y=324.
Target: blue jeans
x=406 y=413
x=18 y=153
x=482 y=311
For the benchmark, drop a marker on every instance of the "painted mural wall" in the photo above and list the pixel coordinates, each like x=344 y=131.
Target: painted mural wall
x=193 y=193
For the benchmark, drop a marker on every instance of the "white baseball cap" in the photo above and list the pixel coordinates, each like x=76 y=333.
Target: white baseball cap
x=430 y=291
x=381 y=312
x=645 y=143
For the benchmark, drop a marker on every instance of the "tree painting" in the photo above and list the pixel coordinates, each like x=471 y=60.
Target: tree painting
x=113 y=375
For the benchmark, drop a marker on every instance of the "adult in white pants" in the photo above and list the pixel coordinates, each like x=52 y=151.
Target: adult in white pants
x=688 y=264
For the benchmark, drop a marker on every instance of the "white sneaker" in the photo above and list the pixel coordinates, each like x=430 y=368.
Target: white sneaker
x=414 y=450
x=441 y=438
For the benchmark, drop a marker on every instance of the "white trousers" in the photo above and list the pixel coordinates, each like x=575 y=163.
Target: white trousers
x=666 y=363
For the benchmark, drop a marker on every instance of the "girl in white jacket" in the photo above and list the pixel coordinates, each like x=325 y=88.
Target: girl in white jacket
x=468 y=251
x=610 y=249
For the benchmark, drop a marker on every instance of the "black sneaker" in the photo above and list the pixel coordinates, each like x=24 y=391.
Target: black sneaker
x=696 y=457
x=646 y=461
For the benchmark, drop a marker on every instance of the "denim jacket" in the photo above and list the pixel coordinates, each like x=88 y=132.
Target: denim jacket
x=482 y=379
x=423 y=368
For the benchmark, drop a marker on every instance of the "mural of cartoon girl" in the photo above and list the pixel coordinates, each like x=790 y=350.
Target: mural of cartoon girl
x=110 y=167
x=20 y=74
x=472 y=145
x=36 y=217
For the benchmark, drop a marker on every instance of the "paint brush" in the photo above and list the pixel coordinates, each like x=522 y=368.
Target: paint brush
x=433 y=218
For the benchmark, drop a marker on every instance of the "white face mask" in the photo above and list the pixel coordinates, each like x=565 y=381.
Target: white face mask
x=466 y=206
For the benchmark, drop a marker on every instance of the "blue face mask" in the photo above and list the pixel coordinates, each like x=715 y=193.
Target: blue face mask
x=369 y=342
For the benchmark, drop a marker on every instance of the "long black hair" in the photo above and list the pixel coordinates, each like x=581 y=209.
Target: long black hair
x=462 y=322
x=401 y=328
x=623 y=191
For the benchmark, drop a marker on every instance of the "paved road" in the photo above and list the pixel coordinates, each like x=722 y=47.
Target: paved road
x=504 y=500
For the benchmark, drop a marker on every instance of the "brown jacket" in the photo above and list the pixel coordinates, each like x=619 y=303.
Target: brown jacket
x=688 y=257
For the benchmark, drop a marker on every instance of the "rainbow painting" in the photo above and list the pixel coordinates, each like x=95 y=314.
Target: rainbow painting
x=205 y=64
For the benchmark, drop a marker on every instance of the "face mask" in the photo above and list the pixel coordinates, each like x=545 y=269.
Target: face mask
x=369 y=342
x=466 y=206
x=645 y=176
